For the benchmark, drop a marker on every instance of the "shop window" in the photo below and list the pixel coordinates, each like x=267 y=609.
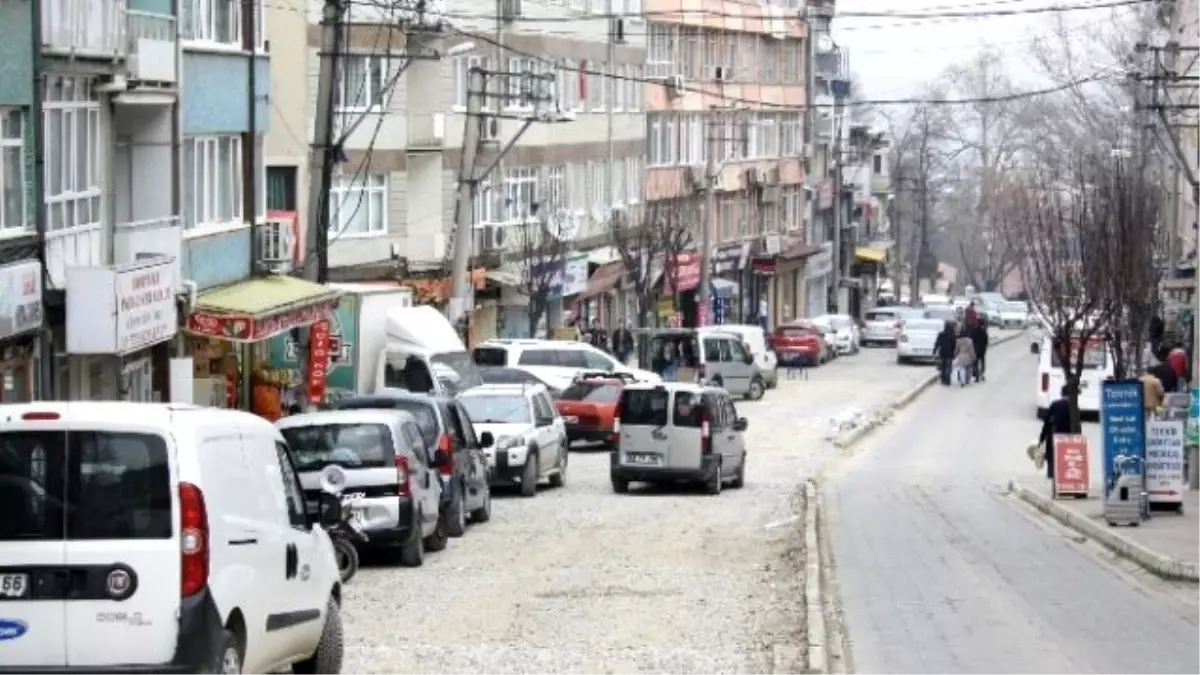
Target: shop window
x=136 y=384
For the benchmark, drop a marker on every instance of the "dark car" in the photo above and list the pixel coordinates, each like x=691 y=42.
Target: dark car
x=445 y=425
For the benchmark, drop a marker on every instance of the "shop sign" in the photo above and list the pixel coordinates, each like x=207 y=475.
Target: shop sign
x=825 y=195
x=247 y=328
x=764 y=265
x=574 y=275
x=730 y=259
x=1165 y=481
x=1071 y=470
x=20 y=298
x=1193 y=421
x=682 y=273
x=1123 y=424
x=819 y=264
x=283 y=352
x=318 y=361
x=121 y=310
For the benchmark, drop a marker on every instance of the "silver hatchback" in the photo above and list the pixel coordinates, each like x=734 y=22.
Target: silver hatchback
x=678 y=432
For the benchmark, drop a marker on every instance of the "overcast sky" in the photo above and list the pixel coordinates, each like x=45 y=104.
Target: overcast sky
x=894 y=58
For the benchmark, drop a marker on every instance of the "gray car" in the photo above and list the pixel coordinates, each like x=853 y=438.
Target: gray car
x=704 y=357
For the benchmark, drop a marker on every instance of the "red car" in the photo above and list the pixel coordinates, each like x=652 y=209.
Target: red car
x=798 y=343
x=589 y=405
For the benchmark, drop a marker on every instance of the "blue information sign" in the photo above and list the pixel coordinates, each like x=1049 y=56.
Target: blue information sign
x=1123 y=418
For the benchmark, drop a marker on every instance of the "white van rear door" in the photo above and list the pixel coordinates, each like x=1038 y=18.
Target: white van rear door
x=122 y=550
x=33 y=573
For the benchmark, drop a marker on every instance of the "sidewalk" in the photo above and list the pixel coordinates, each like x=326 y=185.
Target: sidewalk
x=1167 y=544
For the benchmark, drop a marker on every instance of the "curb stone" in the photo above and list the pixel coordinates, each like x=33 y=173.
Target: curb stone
x=1158 y=564
x=814 y=599
x=855 y=435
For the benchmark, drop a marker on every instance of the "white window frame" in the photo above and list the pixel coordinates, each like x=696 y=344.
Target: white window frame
x=619 y=78
x=519 y=190
x=553 y=191
x=342 y=91
x=197 y=32
x=662 y=41
x=635 y=177
x=9 y=142
x=462 y=67
x=206 y=184
x=577 y=190
x=485 y=204
x=355 y=192
x=69 y=198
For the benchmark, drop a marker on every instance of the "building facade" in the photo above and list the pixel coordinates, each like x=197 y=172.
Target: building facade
x=732 y=86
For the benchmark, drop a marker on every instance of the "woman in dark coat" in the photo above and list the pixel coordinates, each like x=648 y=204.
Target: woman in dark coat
x=943 y=350
x=979 y=336
x=1057 y=421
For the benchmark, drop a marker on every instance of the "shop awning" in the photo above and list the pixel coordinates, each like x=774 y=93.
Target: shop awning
x=799 y=251
x=604 y=279
x=870 y=254
x=604 y=255
x=509 y=275
x=257 y=309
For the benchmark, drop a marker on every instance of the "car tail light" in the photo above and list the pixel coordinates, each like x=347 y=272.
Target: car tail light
x=40 y=416
x=1045 y=381
x=446 y=446
x=615 y=439
x=402 y=477
x=705 y=431
x=193 y=540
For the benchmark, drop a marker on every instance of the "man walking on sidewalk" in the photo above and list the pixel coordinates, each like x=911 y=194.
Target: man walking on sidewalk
x=979 y=335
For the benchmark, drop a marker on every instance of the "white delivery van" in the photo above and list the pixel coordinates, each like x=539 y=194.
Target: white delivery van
x=423 y=353
x=159 y=538
x=1097 y=367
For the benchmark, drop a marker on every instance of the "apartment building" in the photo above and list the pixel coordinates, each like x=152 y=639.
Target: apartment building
x=400 y=116
x=732 y=85
x=1183 y=29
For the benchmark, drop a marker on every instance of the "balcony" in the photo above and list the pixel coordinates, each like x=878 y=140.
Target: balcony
x=426 y=132
x=84 y=28
x=151 y=47
x=137 y=240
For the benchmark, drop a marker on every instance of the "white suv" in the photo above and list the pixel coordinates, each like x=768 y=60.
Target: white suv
x=555 y=362
x=159 y=538
x=531 y=438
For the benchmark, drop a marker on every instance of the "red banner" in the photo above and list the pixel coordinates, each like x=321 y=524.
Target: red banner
x=1072 y=474
x=318 y=361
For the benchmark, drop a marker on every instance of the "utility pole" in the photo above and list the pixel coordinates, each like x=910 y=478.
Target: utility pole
x=468 y=188
x=321 y=154
x=250 y=147
x=712 y=173
x=838 y=151
x=611 y=85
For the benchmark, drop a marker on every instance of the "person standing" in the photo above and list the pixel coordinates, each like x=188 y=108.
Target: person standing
x=1177 y=358
x=598 y=337
x=964 y=357
x=622 y=342
x=971 y=315
x=1153 y=392
x=943 y=351
x=979 y=335
x=1056 y=421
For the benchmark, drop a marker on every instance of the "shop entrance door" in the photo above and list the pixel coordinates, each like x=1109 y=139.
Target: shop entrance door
x=136 y=385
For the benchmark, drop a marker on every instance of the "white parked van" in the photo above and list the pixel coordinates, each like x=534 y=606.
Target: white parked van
x=151 y=538
x=423 y=354
x=1097 y=367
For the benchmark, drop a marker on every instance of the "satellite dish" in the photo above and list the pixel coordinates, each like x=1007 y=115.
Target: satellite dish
x=333 y=479
x=825 y=43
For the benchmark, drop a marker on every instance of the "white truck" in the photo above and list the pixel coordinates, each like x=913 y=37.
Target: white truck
x=419 y=350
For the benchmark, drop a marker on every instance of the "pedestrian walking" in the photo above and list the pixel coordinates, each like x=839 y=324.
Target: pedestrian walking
x=979 y=335
x=598 y=337
x=971 y=315
x=943 y=351
x=1166 y=375
x=622 y=342
x=1177 y=358
x=964 y=357
x=1056 y=421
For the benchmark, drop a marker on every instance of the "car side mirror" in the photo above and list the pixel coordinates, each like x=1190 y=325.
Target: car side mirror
x=741 y=424
x=486 y=439
x=441 y=458
x=329 y=510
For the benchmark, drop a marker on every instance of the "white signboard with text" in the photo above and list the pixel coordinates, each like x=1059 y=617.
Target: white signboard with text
x=1165 y=482
x=121 y=310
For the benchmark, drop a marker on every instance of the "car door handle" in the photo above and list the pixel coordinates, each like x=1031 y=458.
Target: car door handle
x=292 y=562
x=246 y=541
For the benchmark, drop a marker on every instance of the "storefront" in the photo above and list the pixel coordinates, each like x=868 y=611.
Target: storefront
x=870 y=263
x=20 y=323
x=818 y=271
x=229 y=329
x=119 y=321
x=790 y=280
x=598 y=300
x=681 y=278
x=730 y=263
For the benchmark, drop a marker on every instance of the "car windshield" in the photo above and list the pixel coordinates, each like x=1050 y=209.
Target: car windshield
x=645 y=407
x=422 y=411
x=498 y=409
x=490 y=356
x=796 y=331
x=885 y=315
x=841 y=323
x=354 y=445
x=940 y=313
x=1094 y=356
x=591 y=392
x=456 y=371
x=1013 y=307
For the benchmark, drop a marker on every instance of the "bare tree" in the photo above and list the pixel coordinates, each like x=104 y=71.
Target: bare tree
x=542 y=245
x=918 y=163
x=659 y=232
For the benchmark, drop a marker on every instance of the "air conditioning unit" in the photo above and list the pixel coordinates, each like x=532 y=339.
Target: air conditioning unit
x=674 y=84
x=722 y=73
x=510 y=10
x=277 y=239
x=495 y=237
x=617 y=30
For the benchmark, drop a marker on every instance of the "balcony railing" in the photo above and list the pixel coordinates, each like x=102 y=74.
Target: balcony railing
x=84 y=28
x=151 y=40
x=141 y=239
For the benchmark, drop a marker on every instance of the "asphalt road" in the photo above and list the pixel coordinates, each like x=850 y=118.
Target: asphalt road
x=939 y=573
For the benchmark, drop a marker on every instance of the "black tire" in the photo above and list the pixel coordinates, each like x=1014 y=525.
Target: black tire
x=757 y=389
x=440 y=537
x=228 y=658
x=456 y=514
x=483 y=513
x=559 y=479
x=347 y=559
x=620 y=485
x=412 y=554
x=330 y=648
x=715 y=482
x=739 y=480
x=900 y=361
x=529 y=476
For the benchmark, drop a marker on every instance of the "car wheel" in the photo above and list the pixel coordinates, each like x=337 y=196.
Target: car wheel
x=756 y=390
x=559 y=479
x=715 y=482
x=412 y=554
x=529 y=476
x=330 y=648
x=620 y=485
x=441 y=535
x=229 y=656
x=456 y=514
x=739 y=480
x=483 y=513
x=900 y=360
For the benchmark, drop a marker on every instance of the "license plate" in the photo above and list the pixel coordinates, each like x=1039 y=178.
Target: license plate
x=14 y=585
x=644 y=458
x=920 y=351
x=570 y=419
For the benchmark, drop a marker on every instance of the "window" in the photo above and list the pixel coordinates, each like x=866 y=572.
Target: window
x=498 y=409
x=520 y=193
x=634 y=175
x=728 y=206
x=567 y=87
x=292 y=492
x=462 y=69
x=12 y=169
x=618 y=80
x=578 y=190
x=358 y=205
x=212 y=167
x=661 y=50
x=656 y=140
x=71 y=113
x=555 y=197
x=633 y=89
x=644 y=407
x=281 y=188
x=597 y=87
x=599 y=182
x=877 y=165
x=362 y=81
x=216 y=21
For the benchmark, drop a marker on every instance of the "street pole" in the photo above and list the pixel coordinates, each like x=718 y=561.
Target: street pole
x=249 y=150
x=320 y=156
x=467 y=188
x=837 y=208
x=610 y=85
x=711 y=175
